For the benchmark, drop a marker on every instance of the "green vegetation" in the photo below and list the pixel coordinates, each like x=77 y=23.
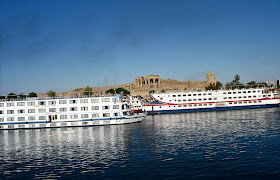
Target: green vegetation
x=51 y=93
x=118 y=91
x=152 y=91
x=12 y=96
x=214 y=86
x=22 y=95
x=32 y=94
x=2 y=97
x=235 y=83
x=87 y=91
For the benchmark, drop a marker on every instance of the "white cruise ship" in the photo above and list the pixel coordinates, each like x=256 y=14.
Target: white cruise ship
x=212 y=100
x=65 y=112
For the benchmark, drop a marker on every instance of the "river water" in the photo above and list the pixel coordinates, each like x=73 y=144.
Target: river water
x=239 y=144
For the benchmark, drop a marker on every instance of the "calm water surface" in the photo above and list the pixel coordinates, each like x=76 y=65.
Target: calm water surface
x=241 y=144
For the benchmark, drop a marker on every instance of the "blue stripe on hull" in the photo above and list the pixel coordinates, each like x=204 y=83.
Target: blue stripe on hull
x=213 y=109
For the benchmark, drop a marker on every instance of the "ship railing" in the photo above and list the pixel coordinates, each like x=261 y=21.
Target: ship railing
x=56 y=97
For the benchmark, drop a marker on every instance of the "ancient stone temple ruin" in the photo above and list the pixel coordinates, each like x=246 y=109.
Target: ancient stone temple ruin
x=148 y=82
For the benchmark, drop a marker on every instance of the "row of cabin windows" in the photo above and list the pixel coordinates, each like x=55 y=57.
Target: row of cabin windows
x=43 y=110
x=184 y=95
x=185 y=100
x=245 y=102
x=204 y=94
x=75 y=116
x=74 y=101
x=239 y=92
x=240 y=97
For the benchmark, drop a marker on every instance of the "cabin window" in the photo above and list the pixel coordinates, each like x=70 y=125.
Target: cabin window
x=62 y=101
x=63 y=116
x=179 y=95
x=234 y=92
x=84 y=116
x=116 y=114
x=95 y=107
x=10 y=104
x=255 y=101
x=105 y=99
x=184 y=100
x=30 y=103
x=195 y=105
x=254 y=91
x=209 y=93
x=75 y=116
x=244 y=96
x=239 y=92
x=10 y=119
x=95 y=115
x=31 y=110
x=250 y=101
x=210 y=104
x=204 y=104
x=31 y=118
x=204 y=99
x=189 y=94
x=1 y=119
x=21 y=118
x=194 y=94
x=234 y=97
x=259 y=101
x=52 y=103
x=73 y=108
x=115 y=99
x=21 y=111
x=42 y=118
x=106 y=114
x=63 y=109
x=245 y=102
x=199 y=94
x=264 y=95
x=21 y=104
x=94 y=100
x=244 y=91
x=74 y=101
x=209 y=98
x=105 y=107
x=235 y=102
x=184 y=95
x=190 y=105
x=179 y=100
x=1 y=112
x=84 y=108
x=194 y=99
x=42 y=110
x=215 y=98
x=230 y=103
x=42 y=103
x=239 y=97
x=52 y=110
x=249 y=96
x=84 y=100
x=116 y=107
x=249 y=91
x=229 y=92
x=240 y=102
x=230 y=97
x=10 y=112
x=225 y=97
x=204 y=94
x=224 y=92
x=1 y=104
x=180 y=106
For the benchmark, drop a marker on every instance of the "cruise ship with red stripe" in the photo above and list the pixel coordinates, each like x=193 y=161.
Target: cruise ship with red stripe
x=213 y=100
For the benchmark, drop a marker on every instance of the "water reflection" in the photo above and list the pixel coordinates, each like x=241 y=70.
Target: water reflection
x=210 y=144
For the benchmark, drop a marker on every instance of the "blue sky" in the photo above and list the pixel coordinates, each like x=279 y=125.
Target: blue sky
x=63 y=45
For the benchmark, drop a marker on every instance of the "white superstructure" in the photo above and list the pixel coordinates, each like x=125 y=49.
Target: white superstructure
x=64 y=112
x=212 y=100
